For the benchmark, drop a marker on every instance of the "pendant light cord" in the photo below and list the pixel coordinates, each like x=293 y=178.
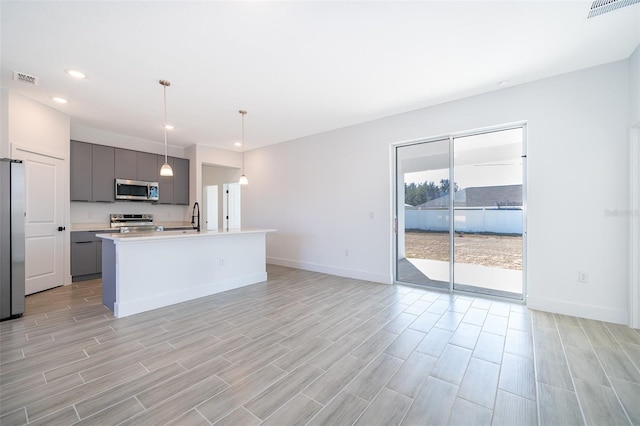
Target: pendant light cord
x=165 y=123
x=243 y=113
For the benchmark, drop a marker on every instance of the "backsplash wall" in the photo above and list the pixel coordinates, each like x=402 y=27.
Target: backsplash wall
x=98 y=213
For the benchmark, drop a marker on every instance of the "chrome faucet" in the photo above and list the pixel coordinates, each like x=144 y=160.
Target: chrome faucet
x=194 y=215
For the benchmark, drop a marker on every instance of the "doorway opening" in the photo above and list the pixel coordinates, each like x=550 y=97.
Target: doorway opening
x=460 y=211
x=221 y=195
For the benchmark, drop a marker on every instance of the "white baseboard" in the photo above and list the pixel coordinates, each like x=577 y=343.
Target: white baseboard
x=332 y=270
x=183 y=295
x=597 y=313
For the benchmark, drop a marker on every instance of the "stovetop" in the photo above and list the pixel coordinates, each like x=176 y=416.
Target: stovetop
x=131 y=220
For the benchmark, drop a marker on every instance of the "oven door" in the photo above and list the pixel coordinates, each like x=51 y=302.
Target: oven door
x=132 y=190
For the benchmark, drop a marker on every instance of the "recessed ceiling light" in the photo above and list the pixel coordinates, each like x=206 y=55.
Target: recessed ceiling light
x=237 y=143
x=169 y=126
x=76 y=74
x=59 y=100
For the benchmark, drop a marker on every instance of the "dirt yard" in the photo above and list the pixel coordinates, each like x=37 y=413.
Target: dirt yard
x=497 y=251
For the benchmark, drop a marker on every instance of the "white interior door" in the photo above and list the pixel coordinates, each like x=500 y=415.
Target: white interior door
x=231 y=206
x=44 y=211
x=211 y=206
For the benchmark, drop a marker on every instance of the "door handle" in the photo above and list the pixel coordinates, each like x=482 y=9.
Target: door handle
x=61 y=228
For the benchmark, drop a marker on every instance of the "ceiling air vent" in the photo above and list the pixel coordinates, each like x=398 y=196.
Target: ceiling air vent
x=598 y=7
x=26 y=78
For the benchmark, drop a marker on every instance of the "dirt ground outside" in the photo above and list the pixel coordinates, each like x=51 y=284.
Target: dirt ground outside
x=496 y=251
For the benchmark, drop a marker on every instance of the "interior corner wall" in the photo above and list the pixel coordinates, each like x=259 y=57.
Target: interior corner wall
x=329 y=195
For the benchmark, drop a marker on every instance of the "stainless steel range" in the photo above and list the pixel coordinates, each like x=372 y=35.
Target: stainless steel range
x=133 y=222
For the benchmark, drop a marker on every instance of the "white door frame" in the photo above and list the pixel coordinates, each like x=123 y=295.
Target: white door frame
x=231 y=205
x=211 y=207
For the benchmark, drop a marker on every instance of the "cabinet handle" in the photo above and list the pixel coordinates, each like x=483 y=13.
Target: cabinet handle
x=83 y=242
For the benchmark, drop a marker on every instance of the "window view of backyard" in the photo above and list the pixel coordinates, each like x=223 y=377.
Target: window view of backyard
x=495 y=251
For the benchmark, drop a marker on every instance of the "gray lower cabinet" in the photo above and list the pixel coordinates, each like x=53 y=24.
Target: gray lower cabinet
x=86 y=255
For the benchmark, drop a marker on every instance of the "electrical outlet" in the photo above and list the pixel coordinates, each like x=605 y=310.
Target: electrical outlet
x=583 y=277
x=222 y=261
x=346 y=252
x=371 y=215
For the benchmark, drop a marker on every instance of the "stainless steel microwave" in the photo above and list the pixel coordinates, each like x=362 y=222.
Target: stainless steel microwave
x=127 y=189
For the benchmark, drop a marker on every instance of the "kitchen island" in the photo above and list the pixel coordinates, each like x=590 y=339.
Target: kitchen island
x=145 y=271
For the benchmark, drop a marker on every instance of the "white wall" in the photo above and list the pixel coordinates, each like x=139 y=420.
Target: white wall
x=321 y=191
x=634 y=70
x=4 y=123
x=634 y=196
x=37 y=126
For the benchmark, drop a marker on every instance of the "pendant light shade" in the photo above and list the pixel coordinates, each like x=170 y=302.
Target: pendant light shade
x=166 y=169
x=243 y=179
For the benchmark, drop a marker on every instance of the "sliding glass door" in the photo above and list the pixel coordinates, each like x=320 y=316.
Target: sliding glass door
x=488 y=213
x=424 y=243
x=460 y=212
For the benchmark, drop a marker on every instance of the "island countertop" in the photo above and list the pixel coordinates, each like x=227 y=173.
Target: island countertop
x=191 y=233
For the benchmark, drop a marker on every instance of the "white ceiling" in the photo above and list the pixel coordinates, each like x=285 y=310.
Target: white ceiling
x=299 y=68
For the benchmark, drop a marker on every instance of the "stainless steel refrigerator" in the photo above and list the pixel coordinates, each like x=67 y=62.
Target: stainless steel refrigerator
x=12 y=238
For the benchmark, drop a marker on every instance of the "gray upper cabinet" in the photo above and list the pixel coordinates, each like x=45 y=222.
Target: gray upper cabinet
x=103 y=173
x=165 y=182
x=126 y=164
x=94 y=169
x=81 y=171
x=148 y=167
x=91 y=172
x=180 y=181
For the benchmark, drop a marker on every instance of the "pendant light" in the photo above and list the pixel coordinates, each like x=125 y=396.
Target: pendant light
x=166 y=169
x=243 y=179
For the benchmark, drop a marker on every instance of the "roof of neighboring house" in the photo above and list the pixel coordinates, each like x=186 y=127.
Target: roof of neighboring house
x=481 y=196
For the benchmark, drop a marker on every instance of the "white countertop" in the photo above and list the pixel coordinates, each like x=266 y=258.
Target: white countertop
x=168 y=235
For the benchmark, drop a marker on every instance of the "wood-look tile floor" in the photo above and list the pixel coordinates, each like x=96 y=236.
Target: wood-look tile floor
x=309 y=348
